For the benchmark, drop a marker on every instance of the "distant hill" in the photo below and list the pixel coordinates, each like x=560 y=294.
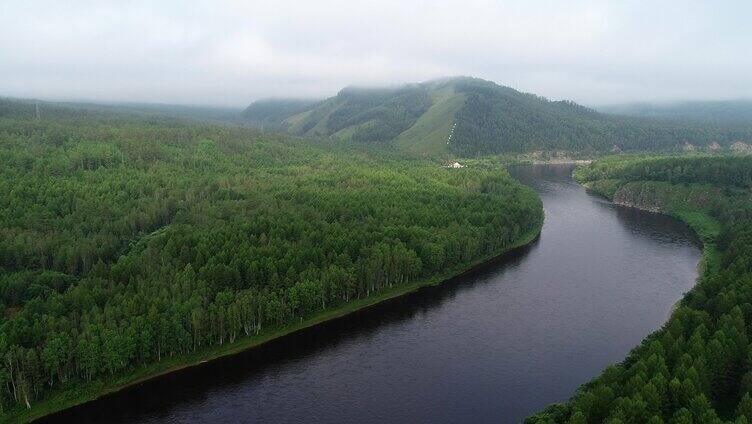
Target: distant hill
x=23 y=108
x=271 y=112
x=190 y=112
x=469 y=116
x=730 y=111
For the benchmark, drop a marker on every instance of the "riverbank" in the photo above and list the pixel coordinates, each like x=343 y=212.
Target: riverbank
x=662 y=198
x=705 y=228
x=702 y=348
x=703 y=225
x=65 y=399
x=562 y=161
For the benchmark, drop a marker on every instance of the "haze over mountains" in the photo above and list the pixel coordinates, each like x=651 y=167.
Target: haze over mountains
x=470 y=116
x=728 y=111
x=459 y=116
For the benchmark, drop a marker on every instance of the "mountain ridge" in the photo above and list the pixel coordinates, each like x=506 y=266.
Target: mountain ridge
x=728 y=111
x=486 y=118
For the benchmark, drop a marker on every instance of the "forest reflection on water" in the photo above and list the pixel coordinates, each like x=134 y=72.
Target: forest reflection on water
x=492 y=346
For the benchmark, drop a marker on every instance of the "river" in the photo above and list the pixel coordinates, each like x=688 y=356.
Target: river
x=490 y=347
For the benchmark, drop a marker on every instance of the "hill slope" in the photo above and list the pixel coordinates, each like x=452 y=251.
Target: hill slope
x=483 y=117
x=11 y=108
x=730 y=111
x=271 y=112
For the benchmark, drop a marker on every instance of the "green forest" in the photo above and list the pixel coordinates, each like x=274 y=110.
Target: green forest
x=356 y=114
x=134 y=243
x=129 y=241
x=498 y=119
x=698 y=367
x=728 y=111
x=487 y=119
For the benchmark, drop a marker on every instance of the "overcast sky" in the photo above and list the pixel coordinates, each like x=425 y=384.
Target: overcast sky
x=232 y=52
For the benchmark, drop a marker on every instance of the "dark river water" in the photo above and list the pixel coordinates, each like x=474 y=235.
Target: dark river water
x=490 y=347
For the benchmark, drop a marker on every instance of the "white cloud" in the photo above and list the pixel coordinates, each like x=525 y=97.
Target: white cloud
x=231 y=52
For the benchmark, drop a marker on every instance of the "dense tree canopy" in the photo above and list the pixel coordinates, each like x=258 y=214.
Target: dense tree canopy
x=358 y=114
x=127 y=241
x=728 y=111
x=498 y=119
x=721 y=171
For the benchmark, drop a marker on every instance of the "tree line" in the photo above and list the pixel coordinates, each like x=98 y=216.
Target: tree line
x=128 y=241
x=497 y=119
x=698 y=367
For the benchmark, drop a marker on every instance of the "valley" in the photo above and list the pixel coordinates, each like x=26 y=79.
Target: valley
x=493 y=345
x=142 y=248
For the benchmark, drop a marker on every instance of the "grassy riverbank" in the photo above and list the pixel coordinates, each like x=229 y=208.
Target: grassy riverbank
x=70 y=397
x=700 y=221
x=702 y=224
x=695 y=368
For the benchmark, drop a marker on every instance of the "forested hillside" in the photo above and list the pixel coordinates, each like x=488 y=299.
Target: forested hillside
x=721 y=171
x=731 y=111
x=25 y=108
x=698 y=367
x=269 y=113
x=362 y=115
x=128 y=243
x=470 y=116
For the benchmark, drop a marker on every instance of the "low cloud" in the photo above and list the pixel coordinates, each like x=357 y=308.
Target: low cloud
x=232 y=52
